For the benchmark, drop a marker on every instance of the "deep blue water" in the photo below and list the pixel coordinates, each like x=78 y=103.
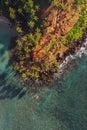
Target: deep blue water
x=52 y=110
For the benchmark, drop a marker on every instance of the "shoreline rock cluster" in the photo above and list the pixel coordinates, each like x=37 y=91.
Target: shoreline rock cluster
x=61 y=75
x=73 y=48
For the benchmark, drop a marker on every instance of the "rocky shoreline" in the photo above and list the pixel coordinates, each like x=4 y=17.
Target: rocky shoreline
x=59 y=77
x=72 y=49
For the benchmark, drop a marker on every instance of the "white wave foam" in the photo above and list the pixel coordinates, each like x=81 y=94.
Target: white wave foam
x=82 y=50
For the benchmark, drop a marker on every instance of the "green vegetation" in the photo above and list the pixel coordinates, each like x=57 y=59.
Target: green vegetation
x=26 y=16
x=80 y=2
x=77 y=30
x=23 y=15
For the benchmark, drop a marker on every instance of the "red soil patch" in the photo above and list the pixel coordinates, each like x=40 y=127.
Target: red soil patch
x=58 y=24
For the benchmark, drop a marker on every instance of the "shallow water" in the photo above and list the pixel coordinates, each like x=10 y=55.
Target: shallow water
x=49 y=109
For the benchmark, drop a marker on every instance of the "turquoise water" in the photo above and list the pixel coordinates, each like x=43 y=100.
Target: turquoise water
x=48 y=109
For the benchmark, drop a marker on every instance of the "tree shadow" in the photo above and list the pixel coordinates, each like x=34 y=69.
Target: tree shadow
x=10 y=90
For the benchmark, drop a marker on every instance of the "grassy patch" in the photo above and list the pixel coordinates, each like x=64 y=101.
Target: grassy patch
x=77 y=31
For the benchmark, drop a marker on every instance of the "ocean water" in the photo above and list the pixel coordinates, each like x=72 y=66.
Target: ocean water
x=63 y=107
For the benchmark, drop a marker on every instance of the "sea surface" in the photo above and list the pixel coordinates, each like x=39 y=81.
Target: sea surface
x=61 y=107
